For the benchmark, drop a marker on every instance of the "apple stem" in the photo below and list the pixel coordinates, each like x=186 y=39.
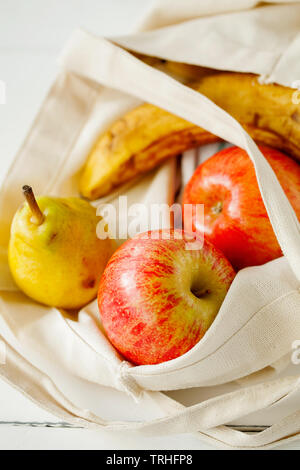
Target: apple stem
x=37 y=215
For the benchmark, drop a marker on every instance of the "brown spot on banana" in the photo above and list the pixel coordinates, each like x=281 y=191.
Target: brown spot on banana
x=148 y=135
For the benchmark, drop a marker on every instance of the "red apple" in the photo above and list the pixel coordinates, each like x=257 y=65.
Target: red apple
x=157 y=298
x=236 y=220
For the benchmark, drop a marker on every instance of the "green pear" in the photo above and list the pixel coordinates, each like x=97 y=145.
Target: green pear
x=54 y=254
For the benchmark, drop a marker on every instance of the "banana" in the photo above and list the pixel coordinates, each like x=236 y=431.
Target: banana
x=147 y=135
x=183 y=72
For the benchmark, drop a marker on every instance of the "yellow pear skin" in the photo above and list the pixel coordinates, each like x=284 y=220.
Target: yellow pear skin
x=56 y=258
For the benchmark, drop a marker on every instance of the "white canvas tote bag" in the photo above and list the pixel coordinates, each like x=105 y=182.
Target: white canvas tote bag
x=260 y=318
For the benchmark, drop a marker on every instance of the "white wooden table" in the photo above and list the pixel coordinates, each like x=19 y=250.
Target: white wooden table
x=31 y=35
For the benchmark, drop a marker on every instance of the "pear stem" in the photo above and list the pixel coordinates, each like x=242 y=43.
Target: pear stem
x=37 y=215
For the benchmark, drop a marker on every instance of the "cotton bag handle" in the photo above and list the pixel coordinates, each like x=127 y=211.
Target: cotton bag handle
x=112 y=66
x=206 y=417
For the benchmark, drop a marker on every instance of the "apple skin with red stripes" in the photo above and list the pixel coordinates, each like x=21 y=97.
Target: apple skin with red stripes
x=235 y=217
x=158 y=297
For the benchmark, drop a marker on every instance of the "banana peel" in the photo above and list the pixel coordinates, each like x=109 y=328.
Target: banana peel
x=148 y=135
x=185 y=73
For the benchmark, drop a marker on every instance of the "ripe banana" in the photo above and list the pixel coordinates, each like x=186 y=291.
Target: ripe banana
x=147 y=135
x=186 y=73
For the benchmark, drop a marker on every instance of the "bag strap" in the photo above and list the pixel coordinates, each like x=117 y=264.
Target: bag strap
x=112 y=66
x=207 y=417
